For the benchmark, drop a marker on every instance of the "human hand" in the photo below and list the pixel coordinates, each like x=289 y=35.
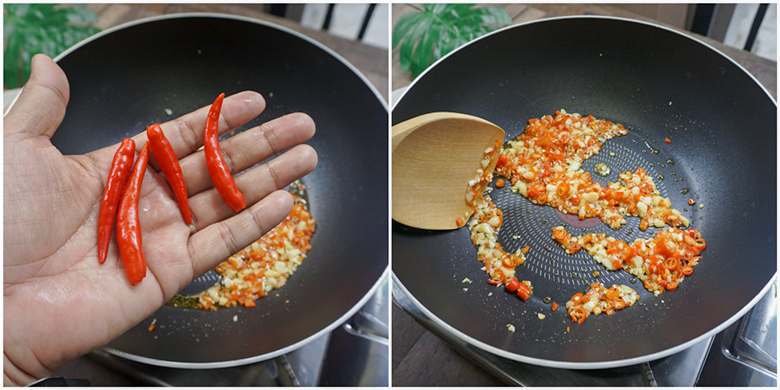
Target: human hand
x=59 y=302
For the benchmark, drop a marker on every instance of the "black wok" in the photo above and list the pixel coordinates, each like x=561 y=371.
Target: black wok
x=127 y=77
x=658 y=83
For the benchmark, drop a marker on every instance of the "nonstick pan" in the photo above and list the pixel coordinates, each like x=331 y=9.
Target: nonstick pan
x=158 y=69
x=659 y=84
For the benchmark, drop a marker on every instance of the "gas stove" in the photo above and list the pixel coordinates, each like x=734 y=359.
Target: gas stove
x=744 y=354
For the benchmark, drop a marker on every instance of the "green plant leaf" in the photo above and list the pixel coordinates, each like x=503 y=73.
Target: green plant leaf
x=11 y=65
x=422 y=56
x=410 y=40
x=80 y=15
x=29 y=29
x=437 y=29
x=406 y=22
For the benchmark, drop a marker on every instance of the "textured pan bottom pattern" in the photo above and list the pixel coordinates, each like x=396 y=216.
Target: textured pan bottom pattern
x=525 y=224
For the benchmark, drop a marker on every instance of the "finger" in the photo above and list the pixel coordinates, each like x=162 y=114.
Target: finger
x=219 y=241
x=41 y=105
x=250 y=147
x=186 y=132
x=208 y=207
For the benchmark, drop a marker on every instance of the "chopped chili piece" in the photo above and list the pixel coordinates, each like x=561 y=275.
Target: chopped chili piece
x=524 y=290
x=578 y=315
x=459 y=222
x=498 y=277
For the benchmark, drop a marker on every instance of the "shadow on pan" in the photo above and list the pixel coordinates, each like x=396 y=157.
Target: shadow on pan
x=659 y=84
x=135 y=75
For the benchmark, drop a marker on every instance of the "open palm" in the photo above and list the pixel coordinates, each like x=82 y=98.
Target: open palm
x=59 y=302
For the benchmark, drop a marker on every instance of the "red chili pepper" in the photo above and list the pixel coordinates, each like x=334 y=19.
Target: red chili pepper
x=169 y=165
x=218 y=169
x=117 y=176
x=502 y=160
x=128 y=225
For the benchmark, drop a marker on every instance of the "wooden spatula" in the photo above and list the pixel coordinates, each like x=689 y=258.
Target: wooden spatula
x=434 y=157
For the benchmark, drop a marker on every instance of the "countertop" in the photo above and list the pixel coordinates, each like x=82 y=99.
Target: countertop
x=416 y=351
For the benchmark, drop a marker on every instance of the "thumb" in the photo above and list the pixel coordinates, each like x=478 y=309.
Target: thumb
x=40 y=108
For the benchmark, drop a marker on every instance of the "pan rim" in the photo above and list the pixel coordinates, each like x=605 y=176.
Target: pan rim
x=584 y=365
x=339 y=321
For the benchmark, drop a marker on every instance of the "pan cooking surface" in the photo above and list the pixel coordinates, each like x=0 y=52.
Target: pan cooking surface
x=161 y=68
x=201 y=283
x=658 y=84
x=528 y=224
